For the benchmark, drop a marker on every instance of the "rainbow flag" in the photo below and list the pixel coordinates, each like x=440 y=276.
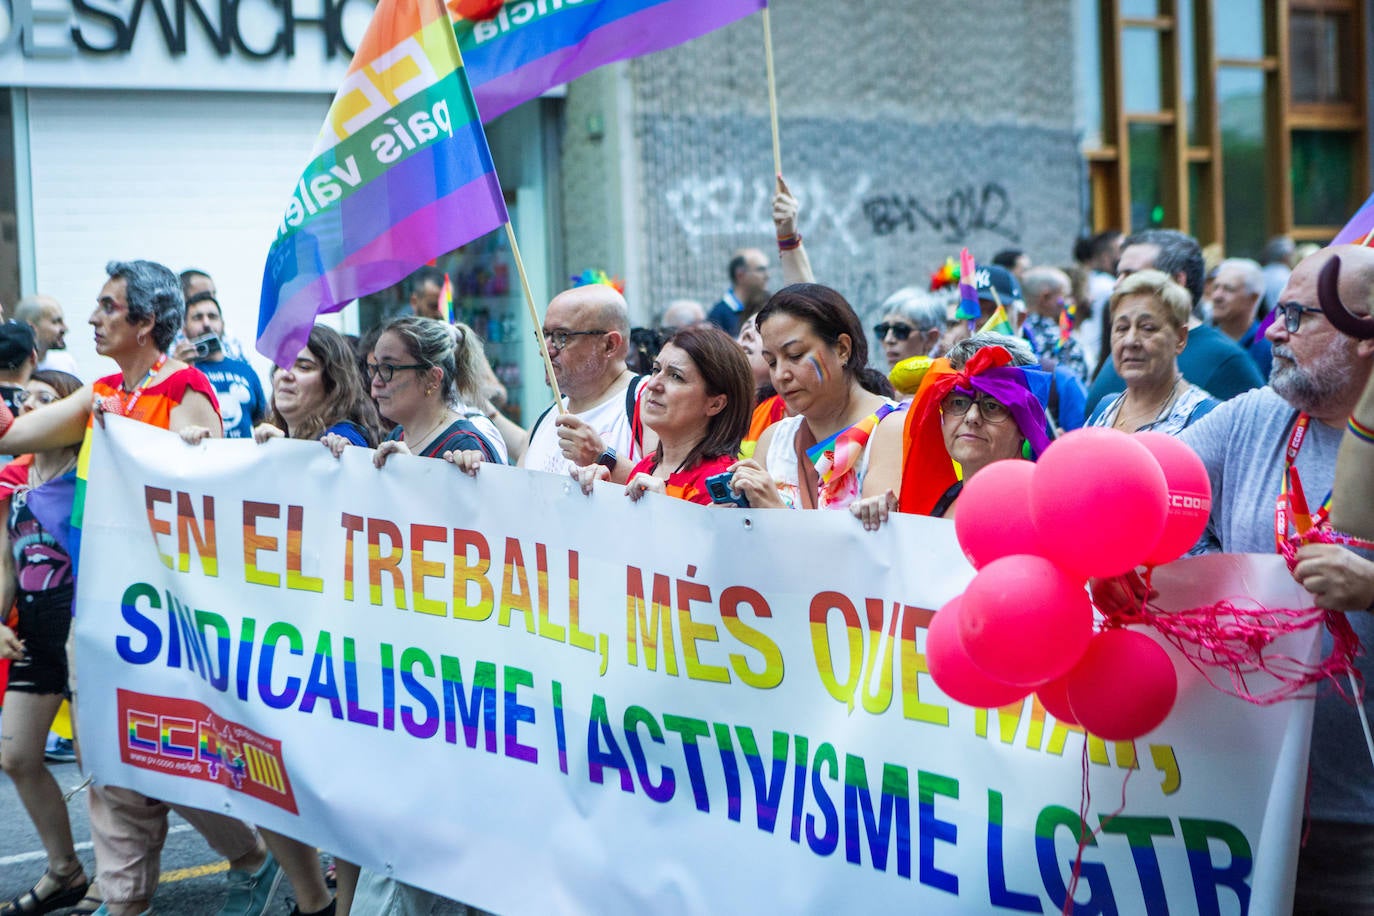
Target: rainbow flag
x=969 y=309
x=1360 y=225
x=401 y=174
x=998 y=323
x=446 y=301
x=532 y=46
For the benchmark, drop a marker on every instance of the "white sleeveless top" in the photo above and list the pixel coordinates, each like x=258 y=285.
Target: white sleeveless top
x=782 y=462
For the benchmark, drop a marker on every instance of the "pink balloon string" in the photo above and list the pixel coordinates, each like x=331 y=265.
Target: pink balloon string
x=1086 y=836
x=1236 y=639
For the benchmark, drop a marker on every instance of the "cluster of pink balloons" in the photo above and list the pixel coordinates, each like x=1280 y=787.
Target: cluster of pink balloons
x=1099 y=503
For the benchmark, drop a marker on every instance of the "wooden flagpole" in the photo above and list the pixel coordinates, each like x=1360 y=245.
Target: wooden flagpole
x=772 y=91
x=510 y=236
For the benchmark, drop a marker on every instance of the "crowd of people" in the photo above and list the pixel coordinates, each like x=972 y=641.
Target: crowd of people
x=764 y=400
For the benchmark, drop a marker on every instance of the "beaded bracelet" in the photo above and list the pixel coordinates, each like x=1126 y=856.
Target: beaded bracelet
x=789 y=242
x=1360 y=431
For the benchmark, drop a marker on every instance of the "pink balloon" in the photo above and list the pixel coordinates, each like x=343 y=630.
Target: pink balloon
x=952 y=671
x=1055 y=698
x=1024 y=621
x=1124 y=687
x=992 y=517
x=1189 y=499
x=1099 y=500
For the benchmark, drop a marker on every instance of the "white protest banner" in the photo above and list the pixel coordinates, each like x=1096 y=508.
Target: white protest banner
x=534 y=701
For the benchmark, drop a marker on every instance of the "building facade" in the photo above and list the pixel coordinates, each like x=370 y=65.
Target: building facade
x=174 y=130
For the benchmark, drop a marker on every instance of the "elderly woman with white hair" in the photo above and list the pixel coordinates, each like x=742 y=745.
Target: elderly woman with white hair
x=913 y=321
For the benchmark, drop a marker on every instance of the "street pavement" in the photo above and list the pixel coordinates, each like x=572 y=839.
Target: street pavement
x=192 y=875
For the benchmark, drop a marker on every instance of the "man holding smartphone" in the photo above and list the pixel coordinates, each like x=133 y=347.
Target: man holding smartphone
x=241 y=401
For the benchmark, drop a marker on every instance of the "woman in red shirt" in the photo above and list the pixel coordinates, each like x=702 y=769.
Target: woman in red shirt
x=698 y=401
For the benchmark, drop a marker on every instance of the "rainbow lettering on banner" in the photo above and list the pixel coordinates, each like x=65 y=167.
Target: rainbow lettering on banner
x=532 y=46
x=401 y=174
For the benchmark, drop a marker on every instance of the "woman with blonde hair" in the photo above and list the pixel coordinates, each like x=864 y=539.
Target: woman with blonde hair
x=1147 y=318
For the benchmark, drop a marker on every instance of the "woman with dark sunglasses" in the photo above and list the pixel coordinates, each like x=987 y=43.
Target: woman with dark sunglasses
x=913 y=321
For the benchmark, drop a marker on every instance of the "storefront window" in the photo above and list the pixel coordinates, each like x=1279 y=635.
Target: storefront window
x=1239 y=28
x=1323 y=177
x=1240 y=97
x=1140 y=53
x=1320 y=54
x=1147 y=197
x=9 y=227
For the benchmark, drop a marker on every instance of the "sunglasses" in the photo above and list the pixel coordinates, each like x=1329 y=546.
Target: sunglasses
x=899 y=331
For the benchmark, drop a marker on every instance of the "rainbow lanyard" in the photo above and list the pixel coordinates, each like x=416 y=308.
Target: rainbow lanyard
x=126 y=408
x=1292 y=506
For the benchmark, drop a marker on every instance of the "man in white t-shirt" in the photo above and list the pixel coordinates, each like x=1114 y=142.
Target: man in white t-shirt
x=588 y=332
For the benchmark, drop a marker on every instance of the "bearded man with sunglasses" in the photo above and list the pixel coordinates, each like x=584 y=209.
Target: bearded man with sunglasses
x=1271 y=457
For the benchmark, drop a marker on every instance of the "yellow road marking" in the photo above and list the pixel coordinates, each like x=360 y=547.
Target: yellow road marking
x=197 y=871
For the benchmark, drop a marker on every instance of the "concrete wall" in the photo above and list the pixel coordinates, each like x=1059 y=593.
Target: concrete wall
x=901 y=144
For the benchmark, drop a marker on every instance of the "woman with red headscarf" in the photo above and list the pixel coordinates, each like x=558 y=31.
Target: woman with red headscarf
x=980 y=405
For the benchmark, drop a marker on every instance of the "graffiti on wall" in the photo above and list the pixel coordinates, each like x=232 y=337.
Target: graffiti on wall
x=848 y=212
x=706 y=208
x=953 y=218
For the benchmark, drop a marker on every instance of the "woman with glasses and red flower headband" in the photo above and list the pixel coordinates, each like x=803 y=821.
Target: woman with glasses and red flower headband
x=985 y=402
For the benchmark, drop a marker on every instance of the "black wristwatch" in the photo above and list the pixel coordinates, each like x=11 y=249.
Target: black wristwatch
x=607 y=459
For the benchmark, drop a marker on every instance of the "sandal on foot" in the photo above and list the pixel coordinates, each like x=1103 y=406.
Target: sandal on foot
x=87 y=906
x=90 y=904
x=68 y=891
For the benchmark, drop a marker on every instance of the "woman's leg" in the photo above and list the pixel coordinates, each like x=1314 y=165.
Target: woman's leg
x=346 y=878
x=23 y=732
x=301 y=862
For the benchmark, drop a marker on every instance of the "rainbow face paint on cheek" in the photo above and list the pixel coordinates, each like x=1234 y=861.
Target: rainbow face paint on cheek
x=820 y=371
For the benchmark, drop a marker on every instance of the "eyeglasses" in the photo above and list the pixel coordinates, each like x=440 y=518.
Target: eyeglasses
x=899 y=330
x=387 y=371
x=990 y=409
x=558 y=340
x=1291 y=313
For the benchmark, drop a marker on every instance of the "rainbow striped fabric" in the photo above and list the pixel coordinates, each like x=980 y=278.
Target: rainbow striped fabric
x=1359 y=227
x=401 y=174
x=533 y=45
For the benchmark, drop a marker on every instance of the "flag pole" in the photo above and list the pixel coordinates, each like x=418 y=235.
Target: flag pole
x=772 y=91
x=452 y=43
x=534 y=319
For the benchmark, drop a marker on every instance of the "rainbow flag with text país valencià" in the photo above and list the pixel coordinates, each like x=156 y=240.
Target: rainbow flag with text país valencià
x=401 y=173
x=530 y=46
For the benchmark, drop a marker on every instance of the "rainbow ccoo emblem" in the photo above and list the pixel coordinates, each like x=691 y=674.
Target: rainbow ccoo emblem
x=186 y=738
